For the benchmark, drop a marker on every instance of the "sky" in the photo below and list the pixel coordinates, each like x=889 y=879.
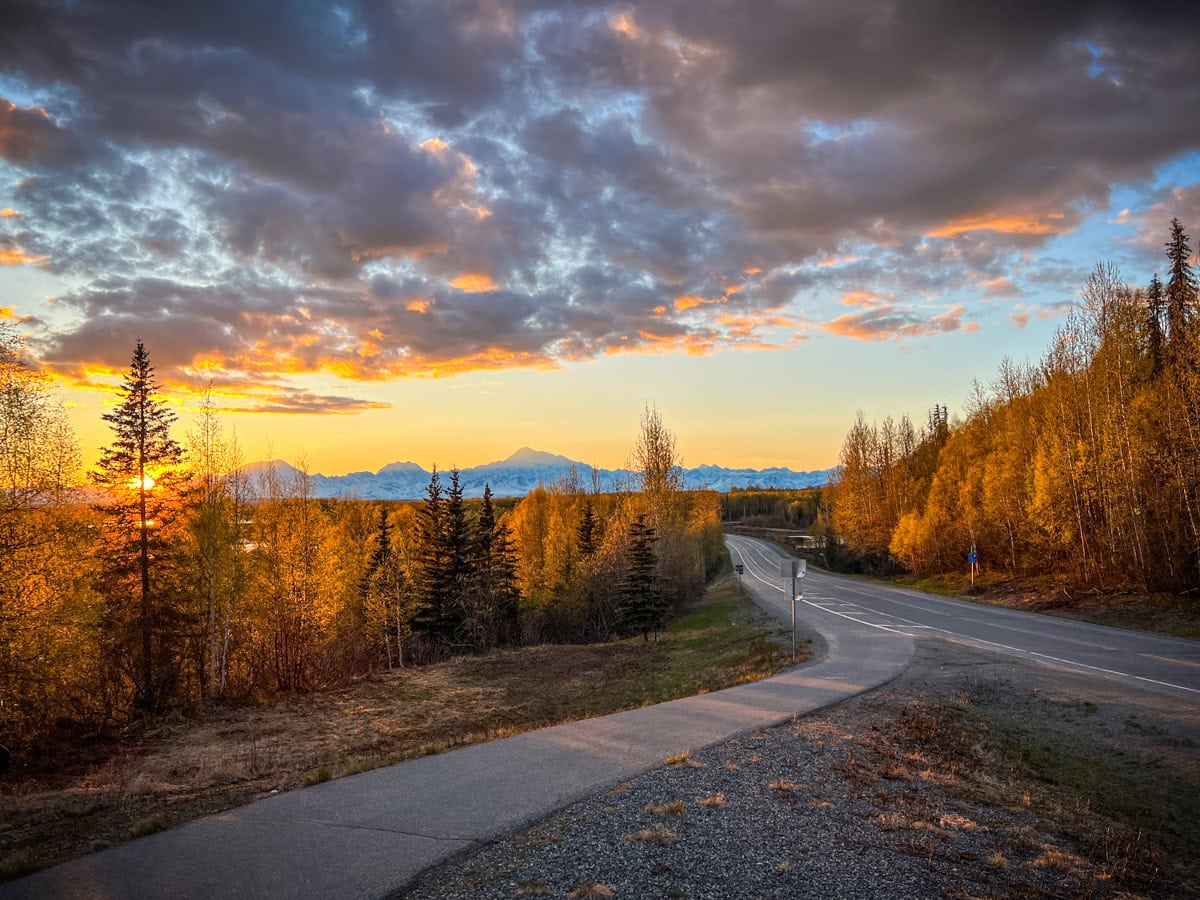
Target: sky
x=440 y=230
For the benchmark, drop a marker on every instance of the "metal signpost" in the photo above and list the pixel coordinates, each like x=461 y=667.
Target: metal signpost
x=973 y=559
x=793 y=569
x=739 y=568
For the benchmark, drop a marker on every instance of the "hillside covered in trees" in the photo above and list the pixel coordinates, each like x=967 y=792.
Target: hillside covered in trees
x=169 y=577
x=1084 y=467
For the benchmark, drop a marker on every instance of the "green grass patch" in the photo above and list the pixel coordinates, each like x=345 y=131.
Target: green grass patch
x=150 y=825
x=318 y=775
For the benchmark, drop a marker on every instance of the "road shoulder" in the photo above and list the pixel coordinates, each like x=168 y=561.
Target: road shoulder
x=921 y=782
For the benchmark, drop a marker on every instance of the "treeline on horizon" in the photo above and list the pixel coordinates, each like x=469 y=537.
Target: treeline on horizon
x=1084 y=467
x=191 y=581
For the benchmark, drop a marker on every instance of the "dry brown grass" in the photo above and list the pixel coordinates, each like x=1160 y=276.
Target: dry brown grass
x=672 y=808
x=659 y=834
x=784 y=786
x=961 y=823
x=713 y=800
x=676 y=759
x=591 y=890
x=1052 y=857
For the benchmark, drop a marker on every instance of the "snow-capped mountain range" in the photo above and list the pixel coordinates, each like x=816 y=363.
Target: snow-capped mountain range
x=524 y=471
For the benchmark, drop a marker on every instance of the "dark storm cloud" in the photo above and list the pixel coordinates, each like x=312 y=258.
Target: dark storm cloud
x=29 y=137
x=377 y=190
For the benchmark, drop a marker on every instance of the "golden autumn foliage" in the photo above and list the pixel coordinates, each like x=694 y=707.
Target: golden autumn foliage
x=1086 y=466
x=256 y=586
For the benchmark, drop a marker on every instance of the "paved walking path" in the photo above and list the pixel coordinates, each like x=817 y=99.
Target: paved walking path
x=370 y=834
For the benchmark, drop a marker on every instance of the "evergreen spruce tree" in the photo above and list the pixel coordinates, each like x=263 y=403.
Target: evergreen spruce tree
x=431 y=560
x=585 y=533
x=380 y=555
x=1155 y=304
x=136 y=469
x=643 y=602
x=1181 y=287
x=482 y=615
x=505 y=592
x=457 y=532
x=456 y=537
x=386 y=595
x=445 y=567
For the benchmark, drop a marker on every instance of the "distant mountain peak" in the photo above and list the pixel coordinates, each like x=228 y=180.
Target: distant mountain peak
x=527 y=456
x=522 y=472
x=407 y=467
x=280 y=467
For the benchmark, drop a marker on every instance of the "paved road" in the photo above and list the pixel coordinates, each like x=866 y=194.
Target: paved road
x=1169 y=665
x=368 y=835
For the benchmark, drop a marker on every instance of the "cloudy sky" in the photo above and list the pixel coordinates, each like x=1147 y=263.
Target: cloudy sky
x=438 y=230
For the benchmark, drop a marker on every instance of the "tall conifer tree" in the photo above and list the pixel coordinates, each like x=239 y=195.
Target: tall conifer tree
x=137 y=470
x=643 y=603
x=1181 y=286
x=1155 y=304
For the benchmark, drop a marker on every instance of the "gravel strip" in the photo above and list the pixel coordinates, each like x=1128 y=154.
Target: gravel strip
x=805 y=809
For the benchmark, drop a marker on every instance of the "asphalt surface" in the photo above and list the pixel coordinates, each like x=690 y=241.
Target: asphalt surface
x=371 y=834
x=1155 y=662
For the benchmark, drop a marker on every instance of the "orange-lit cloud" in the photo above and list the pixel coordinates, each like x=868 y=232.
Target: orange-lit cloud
x=887 y=322
x=7 y=213
x=623 y=23
x=836 y=261
x=865 y=298
x=418 y=306
x=1032 y=224
x=294 y=402
x=15 y=256
x=1019 y=319
x=691 y=301
x=474 y=282
x=999 y=287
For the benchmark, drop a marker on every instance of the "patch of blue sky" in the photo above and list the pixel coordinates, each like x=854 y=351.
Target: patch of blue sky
x=352 y=33
x=818 y=131
x=17 y=92
x=1096 y=67
x=1181 y=171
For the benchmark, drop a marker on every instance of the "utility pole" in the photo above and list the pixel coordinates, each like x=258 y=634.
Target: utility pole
x=793 y=569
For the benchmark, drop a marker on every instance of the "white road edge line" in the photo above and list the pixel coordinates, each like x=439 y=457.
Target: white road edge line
x=964 y=637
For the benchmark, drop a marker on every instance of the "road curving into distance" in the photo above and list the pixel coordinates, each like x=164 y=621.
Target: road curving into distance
x=1154 y=662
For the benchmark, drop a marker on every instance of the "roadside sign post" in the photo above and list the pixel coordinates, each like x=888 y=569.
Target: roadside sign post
x=973 y=559
x=793 y=569
x=739 y=568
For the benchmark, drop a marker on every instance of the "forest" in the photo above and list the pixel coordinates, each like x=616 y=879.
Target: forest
x=171 y=575
x=1083 y=467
